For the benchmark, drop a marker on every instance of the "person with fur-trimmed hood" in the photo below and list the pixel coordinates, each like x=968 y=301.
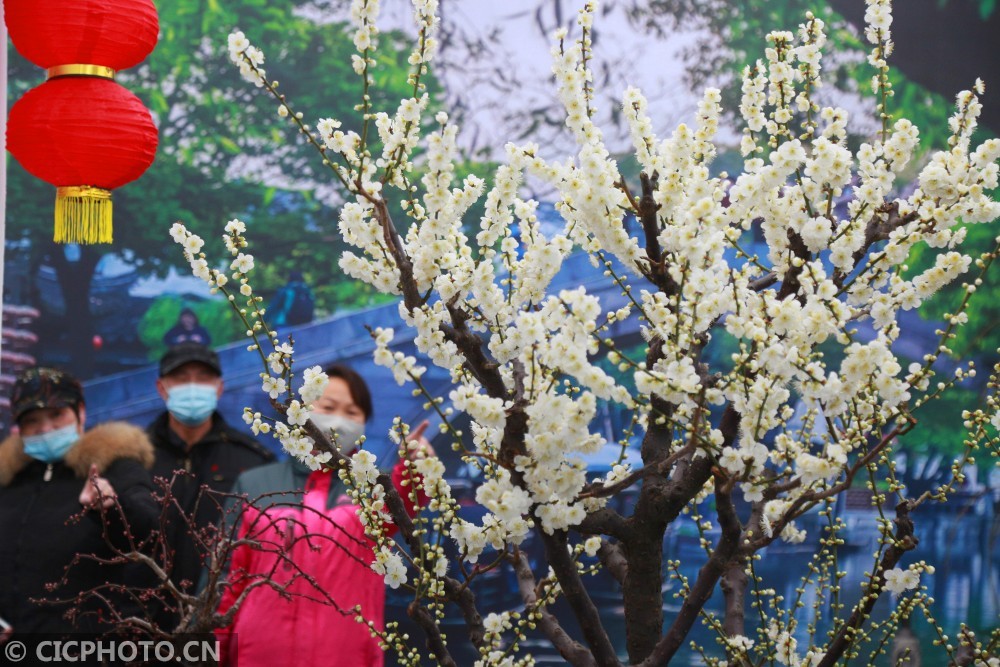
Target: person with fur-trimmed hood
x=51 y=470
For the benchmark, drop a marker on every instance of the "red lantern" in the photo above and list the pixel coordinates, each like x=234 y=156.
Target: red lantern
x=104 y=142
x=107 y=142
x=112 y=33
x=80 y=130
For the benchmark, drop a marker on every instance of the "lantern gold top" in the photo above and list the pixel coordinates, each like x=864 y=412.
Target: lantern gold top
x=80 y=70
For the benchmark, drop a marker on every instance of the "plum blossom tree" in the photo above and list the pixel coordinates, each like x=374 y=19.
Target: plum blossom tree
x=814 y=320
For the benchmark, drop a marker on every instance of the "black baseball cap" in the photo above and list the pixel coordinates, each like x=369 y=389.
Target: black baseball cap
x=38 y=388
x=184 y=353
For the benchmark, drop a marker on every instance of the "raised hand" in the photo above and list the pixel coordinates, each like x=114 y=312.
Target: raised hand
x=97 y=491
x=417 y=446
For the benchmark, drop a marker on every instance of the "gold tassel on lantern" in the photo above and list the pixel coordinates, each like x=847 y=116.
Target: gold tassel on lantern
x=83 y=215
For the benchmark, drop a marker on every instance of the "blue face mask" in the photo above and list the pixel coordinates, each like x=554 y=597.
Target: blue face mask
x=51 y=446
x=191 y=404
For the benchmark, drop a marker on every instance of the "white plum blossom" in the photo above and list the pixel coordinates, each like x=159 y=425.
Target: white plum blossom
x=592 y=545
x=506 y=501
x=363 y=466
x=243 y=263
x=471 y=540
x=898 y=581
x=193 y=244
x=248 y=58
x=273 y=386
x=236 y=226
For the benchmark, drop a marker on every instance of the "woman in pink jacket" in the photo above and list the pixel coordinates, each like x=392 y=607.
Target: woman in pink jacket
x=311 y=545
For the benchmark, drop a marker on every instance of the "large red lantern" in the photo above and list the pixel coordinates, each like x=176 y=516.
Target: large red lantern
x=80 y=130
x=112 y=33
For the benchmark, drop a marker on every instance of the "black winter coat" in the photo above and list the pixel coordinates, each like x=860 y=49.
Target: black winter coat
x=215 y=462
x=39 y=540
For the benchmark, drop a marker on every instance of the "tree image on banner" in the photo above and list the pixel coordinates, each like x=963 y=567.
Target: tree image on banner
x=811 y=401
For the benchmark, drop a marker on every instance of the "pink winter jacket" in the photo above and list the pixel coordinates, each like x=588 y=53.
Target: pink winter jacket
x=306 y=629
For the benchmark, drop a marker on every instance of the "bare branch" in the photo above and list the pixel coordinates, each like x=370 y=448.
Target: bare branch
x=579 y=600
x=435 y=641
x=573 y=651
x=613 y=559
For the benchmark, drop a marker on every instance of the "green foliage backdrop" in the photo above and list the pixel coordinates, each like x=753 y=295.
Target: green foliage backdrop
x=215 y=316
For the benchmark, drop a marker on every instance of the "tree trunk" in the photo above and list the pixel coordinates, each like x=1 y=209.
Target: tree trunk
x=642 y=590
x=642 y=594
x=734 y=585
x=75 y=279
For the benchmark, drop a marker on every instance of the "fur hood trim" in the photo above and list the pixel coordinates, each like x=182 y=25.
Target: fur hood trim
x=101 y=445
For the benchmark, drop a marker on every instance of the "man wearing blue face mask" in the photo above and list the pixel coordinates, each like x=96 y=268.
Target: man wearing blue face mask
x=50 y=470
x=195 y=448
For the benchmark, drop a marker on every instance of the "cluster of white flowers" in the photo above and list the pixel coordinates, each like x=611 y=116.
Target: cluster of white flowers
x=812 y=39
x=590 y=202
x=248 y=58
x=425 y=17
x=362 y=480
x=559 y=427
x=752 y=106
x=344 y=143
x=471 y=540
x=389 y=564
x=404 y=367
x=899 y=580
x=314 y=382
x=364 y=16
x=878 y=18
x=738 y=645
x=509 y=504
x=785 y=645
x=503 y=658
x=494 y=652
x=277 y=378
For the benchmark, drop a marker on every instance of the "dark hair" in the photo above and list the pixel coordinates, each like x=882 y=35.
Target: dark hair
x=355 y=384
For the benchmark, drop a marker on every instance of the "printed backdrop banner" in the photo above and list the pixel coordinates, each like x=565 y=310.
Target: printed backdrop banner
x=107 y=312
